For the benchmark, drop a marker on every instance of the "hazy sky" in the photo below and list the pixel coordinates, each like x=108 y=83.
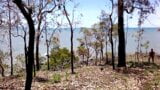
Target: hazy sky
x=91 y=9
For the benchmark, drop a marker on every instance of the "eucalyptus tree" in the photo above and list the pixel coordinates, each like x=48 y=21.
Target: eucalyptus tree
x=50 y=29
x=82 y=52
x=42 y=7
x=8 y=19
x=99 y=36
x=70 y=17
x=96 y=46
x=21 y=31
x=27 y=13
x=86 y=40
x=144 y=8
x=107 y=20
x=138 y=38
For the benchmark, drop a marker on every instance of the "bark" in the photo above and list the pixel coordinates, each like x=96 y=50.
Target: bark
x=96 y=56
x=111 y=37
x=101 y=51
x=30 y=55
x=112 y=45
x=10 y=39
x=106 y=48
x=88 y=53
x=121 y=47
x=48 y=57
x=2 y=72
x=71 y=28
x=25 y=51
x=37 y=52
x=37 y=43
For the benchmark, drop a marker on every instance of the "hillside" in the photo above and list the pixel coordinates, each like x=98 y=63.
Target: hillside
x=90 y=78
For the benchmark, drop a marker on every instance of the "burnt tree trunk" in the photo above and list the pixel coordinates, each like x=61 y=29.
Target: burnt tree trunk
x=37 y=53
x=2 y=69
x=27 y=14
x=101 y=51
x=121 y=47
x=111 y=37
x=96 y=56
x=37 y=42
x=106 y=48
x=25 y=51
x=112 y=45
x=71 y=28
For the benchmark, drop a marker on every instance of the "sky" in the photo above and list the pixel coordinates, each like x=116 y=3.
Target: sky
x=91 y=10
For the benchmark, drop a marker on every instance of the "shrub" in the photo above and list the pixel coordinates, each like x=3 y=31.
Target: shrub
x=56 y=78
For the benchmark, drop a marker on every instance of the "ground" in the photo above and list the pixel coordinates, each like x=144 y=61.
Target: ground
x=145 y=77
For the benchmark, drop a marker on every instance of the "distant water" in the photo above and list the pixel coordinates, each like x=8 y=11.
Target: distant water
x=150 y=34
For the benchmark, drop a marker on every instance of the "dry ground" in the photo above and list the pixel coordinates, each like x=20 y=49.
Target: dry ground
x=90 y=78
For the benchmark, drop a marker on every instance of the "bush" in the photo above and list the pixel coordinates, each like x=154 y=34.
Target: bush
x=56 y=78
x=60 y=59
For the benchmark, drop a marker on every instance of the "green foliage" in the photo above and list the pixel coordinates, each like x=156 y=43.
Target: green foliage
x=82 y=50
x=56 y=78
x=60 y=58
x=67 y=76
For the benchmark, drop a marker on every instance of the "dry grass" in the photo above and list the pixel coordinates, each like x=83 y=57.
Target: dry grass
x=91 y=78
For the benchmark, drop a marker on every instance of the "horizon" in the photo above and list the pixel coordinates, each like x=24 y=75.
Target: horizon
x=65 y=42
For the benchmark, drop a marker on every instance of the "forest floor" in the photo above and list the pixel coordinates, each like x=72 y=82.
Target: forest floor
x=135 y=77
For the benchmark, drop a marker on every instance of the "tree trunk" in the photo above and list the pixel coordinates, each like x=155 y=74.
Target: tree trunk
x=87 y=55
x=101 y=52
x=71 y=28
x=25 y=51
x=72 y=54
x=96 y=56
x=2 y=72
x=106 y=48
x=10 y=39
x=37 y=51
x=37 y=42
x=48 y=57
x=30 y=55
x=47 y=46
x=121 y=47
x=112 y=45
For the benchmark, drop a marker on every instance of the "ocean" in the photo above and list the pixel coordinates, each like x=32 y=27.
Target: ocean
x=150 y=34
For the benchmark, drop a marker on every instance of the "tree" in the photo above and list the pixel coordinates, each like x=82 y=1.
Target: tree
x=121 y=47
x=71 y=25
x=60 y=58
x=99 y=33
x=96 y=46
x=144 y=7
x=51 y=39
x=82 y=52
x=138 y=35
x=108 y=22
x=105 y=21
x=2 y=56
x=86 y=41
x=10 y=38
x=27 y=12
x=42 y=11
x=24 y=37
